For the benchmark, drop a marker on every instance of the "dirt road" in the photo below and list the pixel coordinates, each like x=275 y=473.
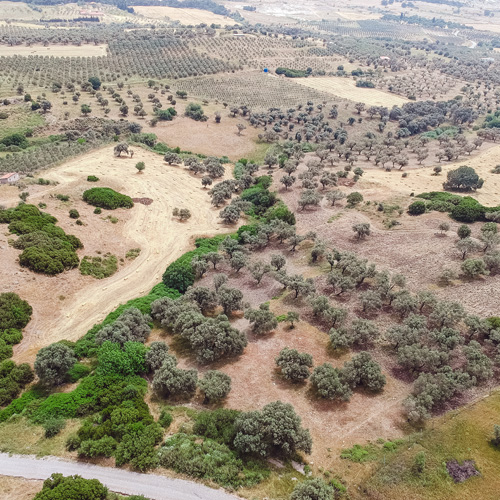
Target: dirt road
x=161 y=239
x=151 y=486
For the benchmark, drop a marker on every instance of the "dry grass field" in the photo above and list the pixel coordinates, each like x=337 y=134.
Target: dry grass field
x=66 y=306
x=422 y=180
x=54 y=50
x=16 y=488
x=185 y=16
x=346 y=89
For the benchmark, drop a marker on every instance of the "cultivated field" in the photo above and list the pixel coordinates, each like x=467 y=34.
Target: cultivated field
x=152 y=228
x=346 y=89
x=185 y=16
x=54 y=50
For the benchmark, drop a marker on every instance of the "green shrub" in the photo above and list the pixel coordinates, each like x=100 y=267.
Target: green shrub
x=107 y=198
x=209 y=460
x=358 y=453
x=11 y=336
x=5 y=350
x=97 y=210
x=417 y=208
x=180 y=275
x=53 y=427
x=468 y=210
x=62 y=197
x=58 y=487
x=74 y=214
x=165 y=418
x=77 y=372
x=281 y=212
x=92 y=178
x=14 y=312
x=217 y=425
x=195 y=112
x=47 y=248
x=99 y=267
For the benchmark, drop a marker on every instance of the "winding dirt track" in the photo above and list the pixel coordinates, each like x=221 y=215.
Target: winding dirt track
x=152 y=227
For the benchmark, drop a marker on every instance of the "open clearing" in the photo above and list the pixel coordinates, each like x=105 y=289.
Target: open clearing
x=422 y=181
x=54 y=50
x=185 y=16
x=346 y=88
x=151 y=228
x=17 y=488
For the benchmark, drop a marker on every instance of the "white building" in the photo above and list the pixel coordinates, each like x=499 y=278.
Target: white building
x=9 y=178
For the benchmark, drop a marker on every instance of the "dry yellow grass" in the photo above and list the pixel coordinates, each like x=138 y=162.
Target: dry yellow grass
x=422 y=180
x=185 y=16
x=54 y=50
x=151 y=228
x=346 y=88
x=16 y=488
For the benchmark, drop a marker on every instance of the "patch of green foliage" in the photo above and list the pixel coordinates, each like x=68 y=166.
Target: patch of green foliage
x=208 y=459
x=107 y=198
x=13 y=378
x=460 y=208
x=180 y=275
x=292 y=73
x=99 y=267
x=58 y=487
x=92 y=178
x=46 y=248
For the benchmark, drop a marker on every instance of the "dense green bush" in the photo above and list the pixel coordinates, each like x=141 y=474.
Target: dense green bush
x=209 y=460
x=46 y=248
x=417 y=208
x=13 y=378
x=217 y=425
x=292 y=73
x=58 y=487
x=180 y=275
x=92 y=178
x=14 y=312
x=107 y=198
x=195 y=112
x=460 y=208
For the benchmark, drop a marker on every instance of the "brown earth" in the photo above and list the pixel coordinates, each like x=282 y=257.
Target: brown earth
x=16 y=488
x=67 y=305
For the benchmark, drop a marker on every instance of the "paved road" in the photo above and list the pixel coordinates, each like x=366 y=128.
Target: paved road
x=117 y=480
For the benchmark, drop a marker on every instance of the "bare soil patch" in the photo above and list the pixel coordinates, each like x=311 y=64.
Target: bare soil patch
x=346 y=89
x=17 y=488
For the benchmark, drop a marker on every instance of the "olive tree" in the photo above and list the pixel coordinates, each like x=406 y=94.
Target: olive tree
x=294 y=364
x=262 y=319
x=276 y=430
x=215 y=385
x=53 y=362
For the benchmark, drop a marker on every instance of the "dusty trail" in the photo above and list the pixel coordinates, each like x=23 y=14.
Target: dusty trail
x=152 y=486
x=161 y=238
